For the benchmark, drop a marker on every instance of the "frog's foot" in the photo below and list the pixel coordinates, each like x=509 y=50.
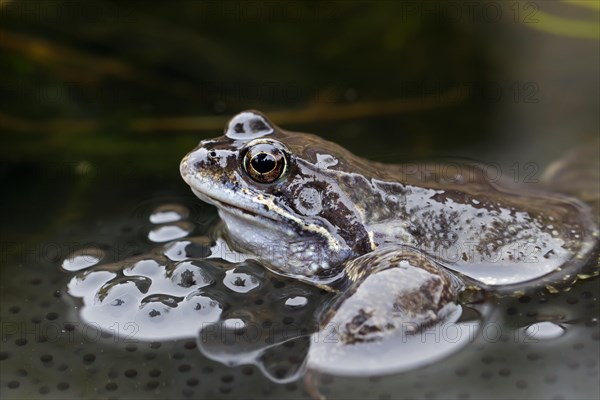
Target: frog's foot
x=394 y=316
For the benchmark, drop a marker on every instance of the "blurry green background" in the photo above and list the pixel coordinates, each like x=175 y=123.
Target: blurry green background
x=104 y=97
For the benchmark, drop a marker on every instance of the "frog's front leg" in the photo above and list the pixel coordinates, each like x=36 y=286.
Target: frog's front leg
x=391 y=290
x=372 y=326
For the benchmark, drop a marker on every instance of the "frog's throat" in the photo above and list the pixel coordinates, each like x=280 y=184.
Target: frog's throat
x=333 y=243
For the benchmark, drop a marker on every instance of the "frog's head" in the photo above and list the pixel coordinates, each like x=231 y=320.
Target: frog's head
x=279 y=194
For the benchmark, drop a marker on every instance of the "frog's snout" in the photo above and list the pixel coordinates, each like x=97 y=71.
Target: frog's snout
x=204 y=161
x=184 y=168
x=192 y=163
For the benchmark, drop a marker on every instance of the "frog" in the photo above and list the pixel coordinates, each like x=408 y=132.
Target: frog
x=399 y=243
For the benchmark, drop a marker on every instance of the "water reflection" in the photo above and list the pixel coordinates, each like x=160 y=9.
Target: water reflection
x=242 y=313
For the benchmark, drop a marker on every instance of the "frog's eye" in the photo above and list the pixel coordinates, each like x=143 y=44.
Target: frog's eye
x=264 y=162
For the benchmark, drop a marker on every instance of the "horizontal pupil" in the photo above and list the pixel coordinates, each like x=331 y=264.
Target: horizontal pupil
x=263 y=163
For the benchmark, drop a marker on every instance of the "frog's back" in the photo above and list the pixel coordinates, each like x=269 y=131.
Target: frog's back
x=490 y=230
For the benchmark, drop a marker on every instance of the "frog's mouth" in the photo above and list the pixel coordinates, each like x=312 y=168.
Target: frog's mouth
x=237 y=210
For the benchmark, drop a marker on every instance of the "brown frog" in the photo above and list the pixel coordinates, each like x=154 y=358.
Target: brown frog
x=399 y=242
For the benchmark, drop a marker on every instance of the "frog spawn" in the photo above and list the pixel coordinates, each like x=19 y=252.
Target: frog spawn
x=239 y=312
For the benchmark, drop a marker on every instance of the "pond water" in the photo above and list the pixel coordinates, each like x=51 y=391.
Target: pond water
x=103 y=100
x=538 y=344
